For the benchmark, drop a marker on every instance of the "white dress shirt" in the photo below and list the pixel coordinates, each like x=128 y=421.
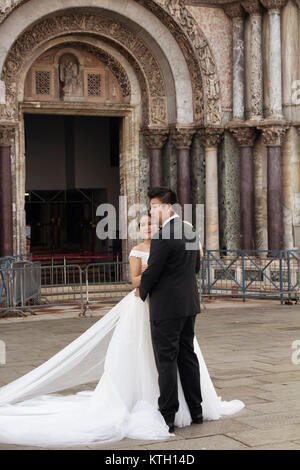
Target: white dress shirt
x=170 y=218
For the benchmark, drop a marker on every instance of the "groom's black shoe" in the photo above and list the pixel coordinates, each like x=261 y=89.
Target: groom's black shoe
x=171 y=427
x=197 y=419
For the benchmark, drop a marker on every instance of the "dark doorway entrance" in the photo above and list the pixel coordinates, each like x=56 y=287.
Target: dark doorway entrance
x=72 y=166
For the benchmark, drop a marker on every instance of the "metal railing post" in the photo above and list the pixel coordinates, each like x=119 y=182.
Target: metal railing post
x=281 y=259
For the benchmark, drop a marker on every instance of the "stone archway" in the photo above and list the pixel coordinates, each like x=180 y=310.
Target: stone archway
x=169 y=57
x=171 y=27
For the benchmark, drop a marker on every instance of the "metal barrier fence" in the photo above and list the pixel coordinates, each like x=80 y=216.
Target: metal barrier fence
x=251 y=274
x=62 y=285
x=256 y=274
x=82 y=259
x=106 y=281
x=21 y=282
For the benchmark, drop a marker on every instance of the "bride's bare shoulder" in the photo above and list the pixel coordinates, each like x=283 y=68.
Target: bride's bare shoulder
x=139 y=247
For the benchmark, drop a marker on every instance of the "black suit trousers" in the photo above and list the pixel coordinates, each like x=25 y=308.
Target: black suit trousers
x=173 y=347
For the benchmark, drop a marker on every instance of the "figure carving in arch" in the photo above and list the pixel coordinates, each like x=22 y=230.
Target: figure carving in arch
x=69 y=77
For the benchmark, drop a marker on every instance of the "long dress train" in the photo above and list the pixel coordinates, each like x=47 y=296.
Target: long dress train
x=117 y=353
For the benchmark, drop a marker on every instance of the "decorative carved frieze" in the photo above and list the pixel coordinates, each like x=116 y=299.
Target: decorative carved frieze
x=234 y=10
x=6 y=134
x=274 y=4
x=158 y=107
x=187 y=24
x=245 y=136
x=210 y=136
x=253 y=7
x=155 y=138
x=182 y=137
x=273 y=135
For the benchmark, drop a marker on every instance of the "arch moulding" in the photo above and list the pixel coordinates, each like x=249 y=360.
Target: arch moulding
x=192 y=42
x=150 y=77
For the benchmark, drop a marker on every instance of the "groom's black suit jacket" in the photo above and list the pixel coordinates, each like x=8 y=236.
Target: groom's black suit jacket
x=170 y=279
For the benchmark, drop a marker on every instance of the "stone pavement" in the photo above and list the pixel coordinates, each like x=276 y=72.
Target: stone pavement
x=248 y=351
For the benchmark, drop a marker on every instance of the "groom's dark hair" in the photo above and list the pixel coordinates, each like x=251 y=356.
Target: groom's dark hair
x=164 y=194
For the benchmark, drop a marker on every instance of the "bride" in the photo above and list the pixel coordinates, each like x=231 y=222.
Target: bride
x=115 y=358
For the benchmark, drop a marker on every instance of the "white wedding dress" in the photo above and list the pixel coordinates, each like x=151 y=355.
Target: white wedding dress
x=117 y=353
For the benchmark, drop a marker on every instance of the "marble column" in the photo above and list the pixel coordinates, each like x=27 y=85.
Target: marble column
x=290 y=29
x=236 y=13
x=182 y=139
x=272 y=138
x=6 y=213
x=275 y=68
x=155 y=140
x=255 y=67
x=245 y=137
x=210 y=138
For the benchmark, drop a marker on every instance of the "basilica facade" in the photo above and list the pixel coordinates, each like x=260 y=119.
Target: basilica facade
x=205 y=97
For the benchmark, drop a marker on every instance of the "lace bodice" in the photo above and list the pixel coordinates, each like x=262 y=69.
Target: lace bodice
x=140 y=254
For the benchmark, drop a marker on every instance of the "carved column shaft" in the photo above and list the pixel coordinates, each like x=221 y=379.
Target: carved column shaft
x=182 y=139
x=155 y=139
x=238 y=69
x=155 y=168
x=246 y=138
x=275 y=69
x=238 y=54
x=210 y=138
x=256 y=66
x=6 y=214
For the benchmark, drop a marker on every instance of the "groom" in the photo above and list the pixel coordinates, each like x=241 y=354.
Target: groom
x=170 y=281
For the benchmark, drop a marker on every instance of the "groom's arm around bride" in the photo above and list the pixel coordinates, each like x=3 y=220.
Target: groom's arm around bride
x=170 y=279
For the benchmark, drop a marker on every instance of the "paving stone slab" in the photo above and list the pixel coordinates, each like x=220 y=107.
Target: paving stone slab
x=247 y=349
x=270 y=420
x=278 y=446
x=217 y=442
x=268 y=436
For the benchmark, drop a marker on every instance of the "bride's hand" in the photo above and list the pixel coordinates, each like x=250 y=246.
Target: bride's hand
x=144 y=267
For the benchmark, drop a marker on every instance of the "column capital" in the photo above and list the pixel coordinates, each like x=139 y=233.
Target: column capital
x=210 y=136
x=245 y=136
x=182 y=137
x=155 y=137
x=253 y=7
x=273 y=135
x=274 y=5
x=6 y=134
x=234 y=11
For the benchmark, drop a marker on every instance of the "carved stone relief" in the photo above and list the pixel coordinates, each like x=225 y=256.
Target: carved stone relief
x=155 y=138
x=56 y=26
x=182 y=137
x=273 y=135
x=76 y=73
x=69 y=76
x=6 y=135
x=194 y=45
x=245 y=136
x=210 y=136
